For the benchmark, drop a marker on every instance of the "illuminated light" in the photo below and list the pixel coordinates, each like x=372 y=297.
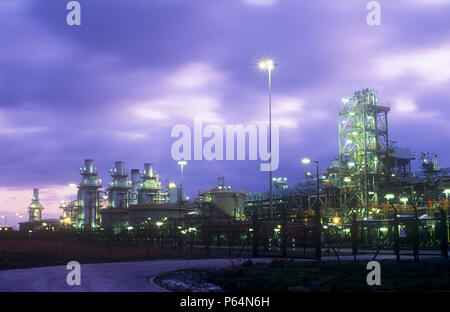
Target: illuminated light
x=446 y=191
x=67 y=220
x=159 y=223
x=347 y=179
x=262 y=65
x=389 y=196
x=182 y=162
x=105 y=197
x=336 y=220
x=266 y=65
x=345 y=100
x=172 y=185
x=44 y=224
x=279 y=226
x=129 y=228
x=306 y=161
x=383 y=229
x=351 y=164
x=349 y=141
x=404 y=200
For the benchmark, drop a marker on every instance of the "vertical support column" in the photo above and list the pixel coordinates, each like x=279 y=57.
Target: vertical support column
x=396 y=238
x=354 y=232
x=255 y=234
x=444 y=233
x=416 y=240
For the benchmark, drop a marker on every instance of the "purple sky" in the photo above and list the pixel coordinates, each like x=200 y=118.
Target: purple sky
x=113 y=88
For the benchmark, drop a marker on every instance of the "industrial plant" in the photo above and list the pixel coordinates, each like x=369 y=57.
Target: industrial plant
x=370 y=176
x=371 y=181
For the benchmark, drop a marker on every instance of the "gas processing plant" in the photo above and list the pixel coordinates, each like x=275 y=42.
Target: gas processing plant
x=371 y=179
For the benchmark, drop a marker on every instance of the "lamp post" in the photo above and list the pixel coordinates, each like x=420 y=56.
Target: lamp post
x=19 y=216
x=181 y=163
x=6 y=220
x=317 y=218
x=269 y=65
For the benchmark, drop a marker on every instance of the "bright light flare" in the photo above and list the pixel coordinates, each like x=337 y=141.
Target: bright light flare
x=266 y=65
x=306 y=161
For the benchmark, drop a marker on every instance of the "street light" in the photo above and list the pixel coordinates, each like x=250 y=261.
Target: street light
x=269 y=65
x=317 y=218
x=306 y=161
x=6 y=220
x=181 y=163
x=336 y=220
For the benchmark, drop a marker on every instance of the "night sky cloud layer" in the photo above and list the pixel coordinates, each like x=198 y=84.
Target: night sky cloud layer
x=113 y=88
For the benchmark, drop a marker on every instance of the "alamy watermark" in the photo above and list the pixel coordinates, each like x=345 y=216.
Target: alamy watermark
x=73 y=278
x=374 y=276
x=73 y=18
x=374 y=16
x=226 y=147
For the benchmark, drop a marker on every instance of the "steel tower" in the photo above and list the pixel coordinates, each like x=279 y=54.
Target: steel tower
x=363 y=151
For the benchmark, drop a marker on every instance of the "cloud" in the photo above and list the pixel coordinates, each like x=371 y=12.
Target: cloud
x=405 y=105
x=18 y=199
x=10 y=126
x=430 y=66
x=261 y=2
x=431 y=2
x=193 y=90
x=195 y=76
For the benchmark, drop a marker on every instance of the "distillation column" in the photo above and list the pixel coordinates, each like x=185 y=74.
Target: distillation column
x=88 y=196
x=35 y=208
x=120 y=187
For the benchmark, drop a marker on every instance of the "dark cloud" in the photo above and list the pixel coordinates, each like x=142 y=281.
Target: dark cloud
x=113 y=88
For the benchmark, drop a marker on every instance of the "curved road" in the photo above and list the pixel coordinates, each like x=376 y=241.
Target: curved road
x=123 y=277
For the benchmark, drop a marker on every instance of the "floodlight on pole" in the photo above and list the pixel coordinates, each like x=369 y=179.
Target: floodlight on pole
x=306 y=161
x=269 y=65
x=317 y=212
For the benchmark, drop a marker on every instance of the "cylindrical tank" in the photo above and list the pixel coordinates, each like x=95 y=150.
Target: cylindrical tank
x=88 y=196
x=35 y=194
x=120 y=168
x=231 y=203
x=148 y=170
x=135 y=180
x=89 y=165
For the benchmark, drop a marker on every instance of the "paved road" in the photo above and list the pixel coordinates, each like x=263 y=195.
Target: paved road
x=122 y=277
x=126 y=276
